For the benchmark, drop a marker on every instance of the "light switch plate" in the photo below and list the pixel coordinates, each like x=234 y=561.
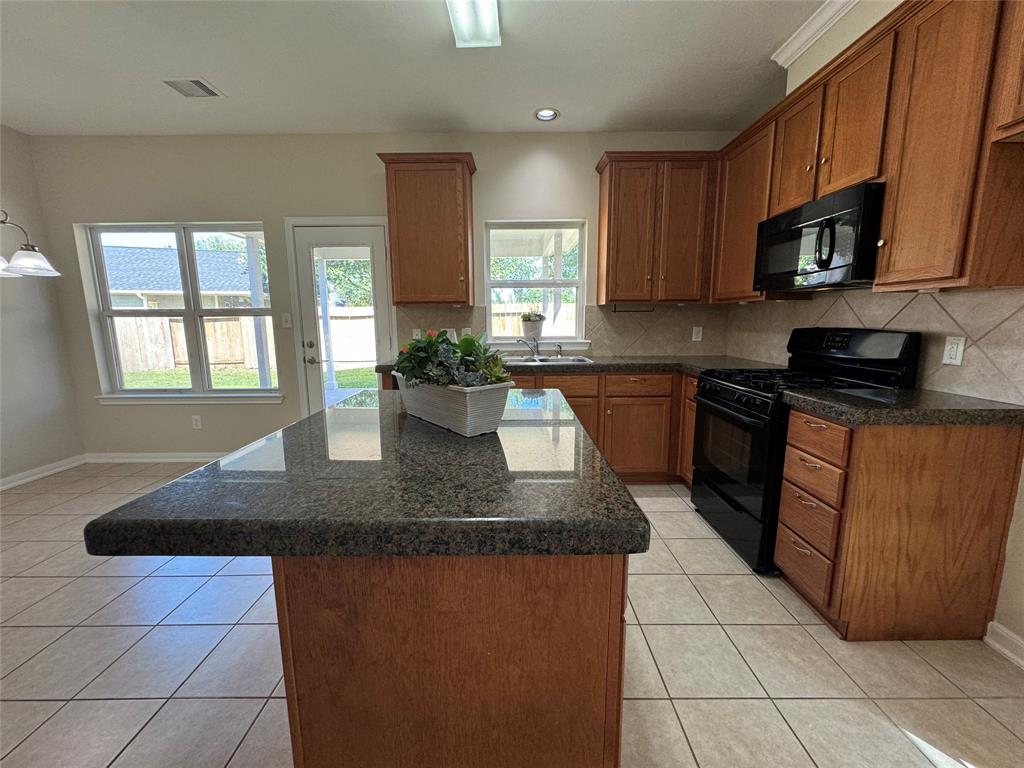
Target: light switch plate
x=698 y=333
x=417 y=333
x=197 y=422
x=451 y=334
x=953 y=353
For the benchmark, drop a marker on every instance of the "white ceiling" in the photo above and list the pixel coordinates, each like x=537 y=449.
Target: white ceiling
x=339 y=67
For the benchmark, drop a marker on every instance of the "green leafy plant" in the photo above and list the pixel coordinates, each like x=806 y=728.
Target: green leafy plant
x=527 y=317
x=436 y=359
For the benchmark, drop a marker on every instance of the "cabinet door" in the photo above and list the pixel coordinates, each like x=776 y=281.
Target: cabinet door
x=943 y=57
x=630 y=259
x=742 y=205
x=856 y=100
x=430 y=225
x=681 y=238
x=686 y=426
x=1010 y=91
x=796 y=152
x=636 y=433
x=586 y=412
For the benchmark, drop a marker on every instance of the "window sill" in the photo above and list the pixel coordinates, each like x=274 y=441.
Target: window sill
x=567 y=346
x=228 y=398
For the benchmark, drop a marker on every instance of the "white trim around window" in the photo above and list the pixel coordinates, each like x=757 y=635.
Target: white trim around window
x=191 y=316
x=575 y=339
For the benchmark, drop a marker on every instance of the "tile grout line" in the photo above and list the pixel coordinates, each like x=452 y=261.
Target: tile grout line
x=246 y=734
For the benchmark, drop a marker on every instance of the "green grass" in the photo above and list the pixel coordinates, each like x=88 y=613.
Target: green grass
x=235 y=378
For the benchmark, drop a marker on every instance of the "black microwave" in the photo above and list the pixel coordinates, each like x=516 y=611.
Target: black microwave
x=831 y=242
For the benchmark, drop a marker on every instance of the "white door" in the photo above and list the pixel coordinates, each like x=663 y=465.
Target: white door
x=346 y=315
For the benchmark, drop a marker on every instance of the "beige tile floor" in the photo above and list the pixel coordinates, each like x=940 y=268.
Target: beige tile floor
x=160 y=662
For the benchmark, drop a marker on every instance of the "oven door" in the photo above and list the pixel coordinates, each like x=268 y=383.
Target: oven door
x=732 y=465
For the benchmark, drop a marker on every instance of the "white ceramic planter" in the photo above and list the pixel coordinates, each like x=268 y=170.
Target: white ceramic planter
x=468 y=411
x=532 y=329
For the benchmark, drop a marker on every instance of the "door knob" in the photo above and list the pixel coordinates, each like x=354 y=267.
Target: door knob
x=312 y=360
x=310 y=344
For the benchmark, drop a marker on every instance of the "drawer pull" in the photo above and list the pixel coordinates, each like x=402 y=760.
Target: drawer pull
x=798 y=548
x=800 y=498
x=815 y=425
x=808 y=464
x=636 y=378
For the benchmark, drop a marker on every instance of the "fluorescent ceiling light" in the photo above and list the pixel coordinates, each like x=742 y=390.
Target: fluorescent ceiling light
x=475 y=23
x=546 y=114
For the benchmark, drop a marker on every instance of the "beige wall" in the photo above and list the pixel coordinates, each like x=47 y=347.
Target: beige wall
x=858 y=20
x=992 y=321
x=38 y=424
x=266 y=178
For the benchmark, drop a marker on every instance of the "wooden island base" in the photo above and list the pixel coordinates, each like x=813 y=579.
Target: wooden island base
x=458 y=662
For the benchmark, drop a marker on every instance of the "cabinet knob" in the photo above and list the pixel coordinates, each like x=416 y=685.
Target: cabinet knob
x=608 y=412
x=462 y=279
x=648 y=277
x=808 y=168
x=881 y=243
x=824 y=160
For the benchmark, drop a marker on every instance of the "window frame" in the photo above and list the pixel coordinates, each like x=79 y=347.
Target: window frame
x=580 y=283
x=191 y=314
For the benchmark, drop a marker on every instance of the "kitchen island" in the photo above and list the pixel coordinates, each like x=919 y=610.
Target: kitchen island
x=441 y=600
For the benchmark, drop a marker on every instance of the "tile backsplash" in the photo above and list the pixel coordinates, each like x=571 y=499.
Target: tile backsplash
x=991 y=320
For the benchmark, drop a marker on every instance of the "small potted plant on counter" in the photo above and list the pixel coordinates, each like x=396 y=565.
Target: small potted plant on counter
x=461 y=386
x=533 y=323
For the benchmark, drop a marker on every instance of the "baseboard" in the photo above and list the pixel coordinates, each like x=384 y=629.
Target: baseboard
x=20 y=478
x=97 y=458
x=1006 y=642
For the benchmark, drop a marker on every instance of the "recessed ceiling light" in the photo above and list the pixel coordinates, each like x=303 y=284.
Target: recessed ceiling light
x=475 y=23
x=546 y=114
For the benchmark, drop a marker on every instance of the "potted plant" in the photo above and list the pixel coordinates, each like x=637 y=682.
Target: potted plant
x=459 y=386
x=533 y=323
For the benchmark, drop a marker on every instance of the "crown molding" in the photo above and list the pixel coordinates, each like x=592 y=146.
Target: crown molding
x=817 y=24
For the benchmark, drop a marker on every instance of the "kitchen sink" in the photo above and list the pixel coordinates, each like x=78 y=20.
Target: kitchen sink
x=564 y=360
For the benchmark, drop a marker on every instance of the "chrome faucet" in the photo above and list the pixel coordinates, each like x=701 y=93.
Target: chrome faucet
x=534 y=347
x=559 y=348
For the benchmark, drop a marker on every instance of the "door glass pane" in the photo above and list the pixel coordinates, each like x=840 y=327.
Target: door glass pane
x=151 y=352
x=534 y=254
x=142 y=269
x=343 y=283
x=241 y=352
x=232 y=269
x=558 y=305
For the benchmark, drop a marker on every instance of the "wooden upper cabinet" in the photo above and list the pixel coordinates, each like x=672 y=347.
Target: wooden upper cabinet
x=626 y=245
x=430 y=226
x=940 y=84
x=795 y=155
x=681 y=242
x=853 y=124
x=743 y=191
x=1008 y=90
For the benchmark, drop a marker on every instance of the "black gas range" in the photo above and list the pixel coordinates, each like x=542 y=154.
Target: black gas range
x=740 y=431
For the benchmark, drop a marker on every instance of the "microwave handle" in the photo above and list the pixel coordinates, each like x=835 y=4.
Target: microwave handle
x=828 y=224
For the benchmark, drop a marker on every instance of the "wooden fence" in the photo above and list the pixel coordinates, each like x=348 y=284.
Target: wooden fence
x=158 y=343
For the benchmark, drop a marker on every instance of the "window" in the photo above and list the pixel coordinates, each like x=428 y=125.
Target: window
x=535 y=267
x=185 y=309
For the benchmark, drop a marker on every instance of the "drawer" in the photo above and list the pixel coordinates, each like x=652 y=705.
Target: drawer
x=524 y=380
x=821 y=438
x=638 y=384
x=806 y=569
x=689 y=387
x=815 y=475
x=816 y=522
x=572 y=385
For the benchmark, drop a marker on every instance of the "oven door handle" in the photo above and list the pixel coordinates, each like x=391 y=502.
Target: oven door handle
x=731 y=414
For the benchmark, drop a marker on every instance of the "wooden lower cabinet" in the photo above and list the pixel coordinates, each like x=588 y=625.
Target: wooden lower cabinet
x=687 y=424
x=913 y=548
x=587 y=410
x=637 y=433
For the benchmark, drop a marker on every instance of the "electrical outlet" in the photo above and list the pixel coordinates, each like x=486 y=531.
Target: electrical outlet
x=286 y=320
x=451 y=334
x=466 y=332
x=953 y=354
x=698 y=333
x=417 y=333
x=197 y=422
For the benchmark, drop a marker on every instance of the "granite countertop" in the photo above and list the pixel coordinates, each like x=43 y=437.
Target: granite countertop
x=868 y=407
x=375 y=481
x=691 y=364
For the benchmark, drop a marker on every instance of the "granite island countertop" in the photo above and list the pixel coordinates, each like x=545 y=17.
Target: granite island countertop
x=375 y=481
x=922 y=407
x=690 y=364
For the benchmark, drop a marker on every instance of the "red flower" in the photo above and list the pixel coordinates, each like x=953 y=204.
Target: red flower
x=431 y=333
x=405 y=348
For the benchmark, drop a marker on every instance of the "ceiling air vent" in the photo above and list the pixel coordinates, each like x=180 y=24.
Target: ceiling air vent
x=193 y=89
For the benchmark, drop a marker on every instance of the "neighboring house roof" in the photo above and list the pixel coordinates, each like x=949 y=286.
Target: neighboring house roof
x=156 y=269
